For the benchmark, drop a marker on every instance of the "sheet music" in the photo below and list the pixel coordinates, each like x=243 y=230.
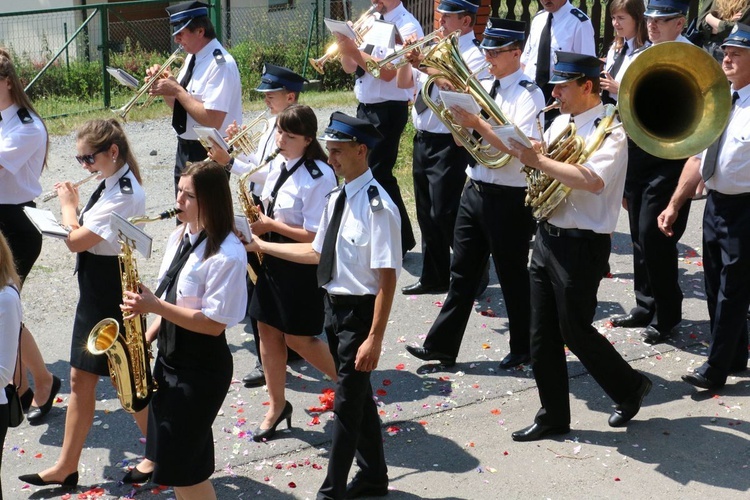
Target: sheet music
x=510 y=131
x=204 y=133
x=133 y=236
x=243 y=226
x=46 y=223
x=341 y=27
x=383 y=34
x=123 y=77
x=460 y=100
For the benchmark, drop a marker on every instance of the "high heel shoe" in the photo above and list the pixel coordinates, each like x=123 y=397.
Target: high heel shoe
x=266 y=434
x=136 y=476
x=71 y=481
x=36 y=413
x=26 y=399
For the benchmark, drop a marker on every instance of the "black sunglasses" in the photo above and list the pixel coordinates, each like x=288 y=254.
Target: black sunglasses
x=89 y=159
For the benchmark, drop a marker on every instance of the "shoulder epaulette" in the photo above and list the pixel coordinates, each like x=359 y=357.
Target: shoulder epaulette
x=25 y=116
x=528 y=85
x=580 y=15
x=641 y=48
x=126 y=187
x=313 y=168
x=376 y=204
x=476 y=42
x=219 y=57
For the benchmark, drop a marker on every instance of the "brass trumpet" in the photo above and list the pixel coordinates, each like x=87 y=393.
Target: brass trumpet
x=375 y=67
x=53 y=194
x=360 y=27
x=176 y=56
x=246 y=140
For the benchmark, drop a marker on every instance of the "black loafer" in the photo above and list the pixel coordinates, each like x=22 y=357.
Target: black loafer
x=427 y=355
x=629 y=408
x=134 y=476
x=629 y=321
x=539 y=431
x=701 y=381
x=255 y=378
x=70 y=481
x=36 y=413
x=419 y=289
x=653 y=336
x=513 y=360
x=360 y=487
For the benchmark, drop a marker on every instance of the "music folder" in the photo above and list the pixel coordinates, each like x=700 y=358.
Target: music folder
x=341 y=27
x=131 y=235
x=206 y=133
x=123 y=77
x=243 y=226
x=46 y=223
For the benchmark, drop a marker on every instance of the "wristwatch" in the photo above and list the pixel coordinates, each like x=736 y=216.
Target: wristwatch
x=228 y=166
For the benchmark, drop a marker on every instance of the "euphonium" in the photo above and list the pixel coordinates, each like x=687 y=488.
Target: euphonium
x=446 y=59
x=251 y=210
x=175 y=57
x=360 y=27
x=128 y=356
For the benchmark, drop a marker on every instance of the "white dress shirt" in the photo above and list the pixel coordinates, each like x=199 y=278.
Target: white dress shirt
x=22 y=150
x=367 y=241
x=11 y=315
x=611 y=55
x=583 y=209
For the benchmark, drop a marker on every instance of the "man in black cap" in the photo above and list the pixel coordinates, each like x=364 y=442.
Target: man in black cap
x=438 y=165
x=649 y=184
x=725 y=169
x=382 y=103
x=281 y=88
x=358 y=252
x=570 y=255
x=207 y=91
x=492 y=216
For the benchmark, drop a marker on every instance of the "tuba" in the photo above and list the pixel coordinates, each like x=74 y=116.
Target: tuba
x=128 y=356
x=446 y=59
x=360 y=27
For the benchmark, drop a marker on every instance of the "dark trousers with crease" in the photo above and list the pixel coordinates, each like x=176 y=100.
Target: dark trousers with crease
x=726 y=266
x=492 y=221
x=649 y=186
x=390 y=119
x=356 y=428
x=439 y=172
x=565 y=274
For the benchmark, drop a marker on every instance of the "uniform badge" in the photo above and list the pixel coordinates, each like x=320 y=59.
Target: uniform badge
x=24 y=116
x=126 y=187
x=376 y=204
x=219 y=57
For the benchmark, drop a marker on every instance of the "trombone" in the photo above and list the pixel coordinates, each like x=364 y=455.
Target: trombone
x=360 y=27
x=375 y=67
x=176 y=56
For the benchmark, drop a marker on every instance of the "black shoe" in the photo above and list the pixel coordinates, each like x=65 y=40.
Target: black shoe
x=653 y=336
x=71 y=481
x=513 y=360
x=419 y=289
x=26 y=399
x=630 y=321
x=427 y=355
x=36 y=413
x=266 y=434
x=538 y=431
x=134 y=476
x=701 y=381
x=360 y=487
x=255 y=378
x=629 y=408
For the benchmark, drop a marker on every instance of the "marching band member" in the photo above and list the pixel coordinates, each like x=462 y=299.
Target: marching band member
x=281 y=88
x=358 y=253
x=438 y=165
x=648 y=186
x=569 y=257
x=725 y=168
x=102 y=147
x=492 y=217
x=383 y=104
x=631 y=34
x=23 y=153
x=207 y=91
x=201 y=293
x=287 y=303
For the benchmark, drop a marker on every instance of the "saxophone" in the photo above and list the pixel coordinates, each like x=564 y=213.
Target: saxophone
x=251 y=210
x=128 y=355
x=543 y=193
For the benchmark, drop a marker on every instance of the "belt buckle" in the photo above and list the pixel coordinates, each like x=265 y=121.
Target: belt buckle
x=553 y=230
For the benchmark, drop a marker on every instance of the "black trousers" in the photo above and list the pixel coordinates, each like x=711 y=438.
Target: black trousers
x=565 y=274
x=495 y=221
x=726 y=266
x=390 y=119
x=24 y=240
x=187 y=151
x=649 y=185
x=4 y=416
x=356 y=428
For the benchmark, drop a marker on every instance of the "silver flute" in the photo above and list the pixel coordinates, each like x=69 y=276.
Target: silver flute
x=53 y=194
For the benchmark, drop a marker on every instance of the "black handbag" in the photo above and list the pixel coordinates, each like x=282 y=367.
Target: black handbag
x=15 y=410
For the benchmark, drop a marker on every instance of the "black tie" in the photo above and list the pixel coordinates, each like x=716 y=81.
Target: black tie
x=613 y=71
x=328 y=252
x=94 y=198
x=178 y=262
x=712 y=155
x=493 y=90
x=179 y=115
x=285 y=174
x=543 y=54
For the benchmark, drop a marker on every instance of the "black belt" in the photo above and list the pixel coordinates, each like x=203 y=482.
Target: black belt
x=385 y=104
x=187 y=142
x=432 y=135
x=722 y=196
x=557 y=232
x=489 y=188
x=350 y=300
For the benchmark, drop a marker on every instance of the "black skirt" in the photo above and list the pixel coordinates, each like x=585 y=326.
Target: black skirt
x=183 y=409
x=287 y=297
x=100 y=297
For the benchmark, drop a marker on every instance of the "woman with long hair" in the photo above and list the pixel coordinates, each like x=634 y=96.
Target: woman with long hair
x=102 y=147
x=630 y=35
x=287 y=302
x=201 y=293
x=23 y=154
x=716 y=20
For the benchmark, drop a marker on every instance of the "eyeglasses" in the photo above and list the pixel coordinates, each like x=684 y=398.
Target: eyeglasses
x=495 y=53
x=89 y=159
x=660 y=20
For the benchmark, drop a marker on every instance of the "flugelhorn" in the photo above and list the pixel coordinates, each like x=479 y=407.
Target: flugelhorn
x=53 y=194
x=176 y=56
x=375 y=67
x=360 y=27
